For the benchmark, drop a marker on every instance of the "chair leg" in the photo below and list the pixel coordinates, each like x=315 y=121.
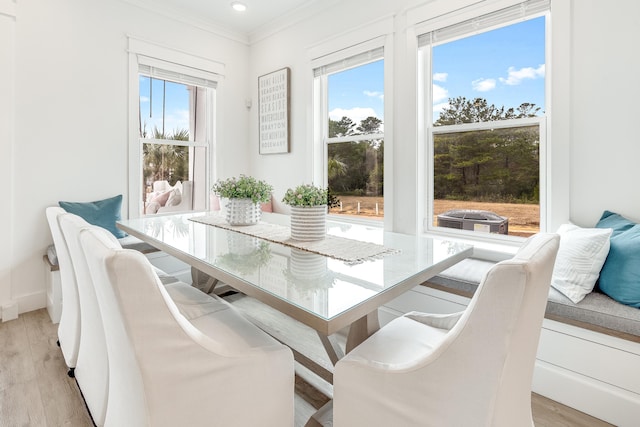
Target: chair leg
x=71 y=372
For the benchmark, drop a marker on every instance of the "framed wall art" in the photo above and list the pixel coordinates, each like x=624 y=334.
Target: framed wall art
x=273 y=111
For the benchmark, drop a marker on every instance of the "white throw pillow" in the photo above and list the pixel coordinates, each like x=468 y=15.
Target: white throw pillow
x=175 y=197
x=580 y=258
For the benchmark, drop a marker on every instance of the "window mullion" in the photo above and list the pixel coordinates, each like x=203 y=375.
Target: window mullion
x=353 y=138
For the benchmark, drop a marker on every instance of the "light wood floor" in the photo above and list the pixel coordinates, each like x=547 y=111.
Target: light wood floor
x=36 y=391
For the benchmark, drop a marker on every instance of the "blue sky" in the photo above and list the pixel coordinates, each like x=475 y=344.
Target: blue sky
x=357 y=93
x=176 y=107
x=505 y=66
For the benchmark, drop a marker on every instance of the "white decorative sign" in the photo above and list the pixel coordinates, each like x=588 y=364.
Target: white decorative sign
x=273 y=112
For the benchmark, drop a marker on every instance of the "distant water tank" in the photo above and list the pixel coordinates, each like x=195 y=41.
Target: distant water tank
x=474 y=220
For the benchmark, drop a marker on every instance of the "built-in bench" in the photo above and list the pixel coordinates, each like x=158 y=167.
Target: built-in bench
x=596 y=312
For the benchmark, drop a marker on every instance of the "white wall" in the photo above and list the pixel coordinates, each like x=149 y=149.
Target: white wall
x=71 y=118
x=7 y=59
x=605 y=144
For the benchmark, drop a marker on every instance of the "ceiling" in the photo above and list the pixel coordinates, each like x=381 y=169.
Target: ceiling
x=218 y=16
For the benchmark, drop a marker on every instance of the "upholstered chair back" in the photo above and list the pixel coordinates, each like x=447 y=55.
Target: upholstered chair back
x=69 y=327
x=92 y=369
x=469 y=368
x=163 y=371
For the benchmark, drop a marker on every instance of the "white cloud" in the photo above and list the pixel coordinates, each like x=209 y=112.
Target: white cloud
x=355 y=114
x=374 y=94
x=144 y=99
x=437 y=108
x=440 y=93
x=176 y=120
x=440 y=77
x=515 y=77
x=484 y=85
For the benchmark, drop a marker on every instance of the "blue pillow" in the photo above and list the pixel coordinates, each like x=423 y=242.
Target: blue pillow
x=103 y=213
x=620 y=275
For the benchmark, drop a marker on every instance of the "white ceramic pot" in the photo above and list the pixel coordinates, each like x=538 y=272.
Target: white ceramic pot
x=243 y=212
x=308 y=223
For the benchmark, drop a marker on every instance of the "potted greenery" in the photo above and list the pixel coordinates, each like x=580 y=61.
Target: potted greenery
x=245 y=195
x=308 y=211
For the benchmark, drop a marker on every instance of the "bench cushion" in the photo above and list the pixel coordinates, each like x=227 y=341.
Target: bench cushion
x=596 y=308
x=127 y=242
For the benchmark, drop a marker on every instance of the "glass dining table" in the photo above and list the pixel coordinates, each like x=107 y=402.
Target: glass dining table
x=322 y=292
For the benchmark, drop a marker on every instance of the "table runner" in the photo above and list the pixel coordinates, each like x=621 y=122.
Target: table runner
x=348 y=250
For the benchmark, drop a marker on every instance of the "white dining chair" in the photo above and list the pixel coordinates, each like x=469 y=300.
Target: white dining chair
x=165 y=369
x=91 y=369
x=472 y=368
x=69 y=326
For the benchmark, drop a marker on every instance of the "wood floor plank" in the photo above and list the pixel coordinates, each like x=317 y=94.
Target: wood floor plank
x=16 y=365
x=61 y=398
x=548 y=413
x=20 y=405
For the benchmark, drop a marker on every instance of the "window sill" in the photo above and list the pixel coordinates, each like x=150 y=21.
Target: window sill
x=484 y=248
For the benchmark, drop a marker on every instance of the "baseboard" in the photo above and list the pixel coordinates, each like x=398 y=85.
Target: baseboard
x=31 y=302
x=596 y=398
x=9 y=311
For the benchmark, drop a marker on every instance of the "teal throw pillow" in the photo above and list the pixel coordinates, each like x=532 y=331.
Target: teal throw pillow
x=103 y=213
x=620 y=275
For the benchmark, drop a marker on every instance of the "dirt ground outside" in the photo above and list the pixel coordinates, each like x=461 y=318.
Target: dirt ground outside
x=524 y=219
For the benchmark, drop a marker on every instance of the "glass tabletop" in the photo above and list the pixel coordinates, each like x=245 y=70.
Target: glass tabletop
x=316 y=289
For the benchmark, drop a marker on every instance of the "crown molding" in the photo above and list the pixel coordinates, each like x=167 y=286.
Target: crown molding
x=295 y=16
x=178 y=15
x=291 y=18
x=8 y=8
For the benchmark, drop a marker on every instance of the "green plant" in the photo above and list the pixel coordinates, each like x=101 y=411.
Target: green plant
x=245 y=187
x=306 y=195
x=332 y=200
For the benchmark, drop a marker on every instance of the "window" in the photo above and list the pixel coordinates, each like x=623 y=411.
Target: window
x=171 y=149
x=485 y=118
x=351 y=128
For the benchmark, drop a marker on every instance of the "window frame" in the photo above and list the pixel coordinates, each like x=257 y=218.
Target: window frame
x=192 y=144
x=427 y=130
x=179 y=67
x=347 y=55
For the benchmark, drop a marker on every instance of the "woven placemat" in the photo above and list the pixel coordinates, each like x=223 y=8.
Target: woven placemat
x=348 y=250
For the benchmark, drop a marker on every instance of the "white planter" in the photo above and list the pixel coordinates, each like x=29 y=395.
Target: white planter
x=308 y=222
x=243 y=212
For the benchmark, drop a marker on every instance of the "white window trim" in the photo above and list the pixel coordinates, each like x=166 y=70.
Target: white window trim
x=150 y=54
x=358 y=42
x=425 y=133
